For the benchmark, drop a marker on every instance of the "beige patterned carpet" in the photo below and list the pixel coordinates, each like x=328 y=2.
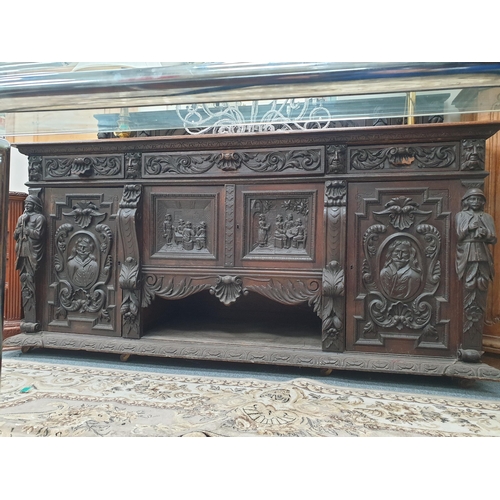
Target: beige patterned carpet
x=38 y=399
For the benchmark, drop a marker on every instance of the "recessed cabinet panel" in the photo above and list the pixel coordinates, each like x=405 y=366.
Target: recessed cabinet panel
x=280 y=225
x=399 y=288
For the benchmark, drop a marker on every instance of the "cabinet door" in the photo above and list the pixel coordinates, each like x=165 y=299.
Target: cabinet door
x=183 y=226
x=401 y=280
x=280 y=226
x=82 y=260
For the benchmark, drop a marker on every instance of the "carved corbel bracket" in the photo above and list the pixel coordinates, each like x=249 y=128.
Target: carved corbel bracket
x=129 y=279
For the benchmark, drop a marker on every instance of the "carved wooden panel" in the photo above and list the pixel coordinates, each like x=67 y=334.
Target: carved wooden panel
x=402 y=158
x=399 y=286
x=82 y=260
x=280 y=224
x=185 y=225
x=288 y=161
x=76 y=167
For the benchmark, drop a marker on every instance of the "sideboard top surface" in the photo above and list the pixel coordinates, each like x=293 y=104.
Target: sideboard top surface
x=350 y=136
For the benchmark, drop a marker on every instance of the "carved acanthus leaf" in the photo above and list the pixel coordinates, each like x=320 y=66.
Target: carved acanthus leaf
x=154 y=285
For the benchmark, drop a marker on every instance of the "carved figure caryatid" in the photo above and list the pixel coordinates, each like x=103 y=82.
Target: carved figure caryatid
x=83 y=268
x=263 y=232
x=299 y=240
x=474 y=263
x=188 y=234
x=279 y=232
x=401 y=275
x=201 y=236
x=29 y=233
x=168 y=229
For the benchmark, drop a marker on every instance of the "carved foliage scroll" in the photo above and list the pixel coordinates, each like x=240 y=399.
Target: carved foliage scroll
x=402 y=157
x=229 y=161
x=129 y=279
x=83 y=166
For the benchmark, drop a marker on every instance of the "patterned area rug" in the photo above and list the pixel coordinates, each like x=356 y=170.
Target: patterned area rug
x=39 y=399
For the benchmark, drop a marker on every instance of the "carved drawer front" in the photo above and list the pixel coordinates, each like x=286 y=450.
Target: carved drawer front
x=82 y=260
x=280 y=226
x=400 y=280
x=63 y=168
x=184 y=225
x=287 y=161
x=417 y=157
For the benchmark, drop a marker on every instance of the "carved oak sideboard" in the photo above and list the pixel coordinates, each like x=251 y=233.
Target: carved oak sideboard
x=360 y=248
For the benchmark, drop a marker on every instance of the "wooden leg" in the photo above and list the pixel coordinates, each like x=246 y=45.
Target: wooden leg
x=324 y=372
x=124 y=357
x=465 y=383
x=26 y=348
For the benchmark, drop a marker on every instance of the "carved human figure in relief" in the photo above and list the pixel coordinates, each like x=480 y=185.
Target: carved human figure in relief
x=83 y=268
x=476 y=230
x=188 y=234
x=300 y=235
x=279 y=232
x=289 y=230
x=263 y=232
x=401 y=275
x=28 y=234
x=201 y=236
x=168 y=229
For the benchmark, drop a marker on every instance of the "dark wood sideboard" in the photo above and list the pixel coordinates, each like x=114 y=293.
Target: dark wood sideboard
x=352 y=248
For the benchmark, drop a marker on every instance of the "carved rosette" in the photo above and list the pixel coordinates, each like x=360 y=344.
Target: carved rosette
x=403 y=157
x=84 y=166
x=129 y=279
x=472 y=154
x=337 y=158
x=228 y=288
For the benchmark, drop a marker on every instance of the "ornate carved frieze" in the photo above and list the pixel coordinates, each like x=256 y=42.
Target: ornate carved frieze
x=472 y=154
x=133 y=165
x=474 y=263
x=300 y=160
x=229 y=233
x=129 y=279
x=228 y=288
x=30 y=244
x=82 y=166
x=335 y=193
x=402 y=157
x=169 y=287
x=288 y=291
x=337 y=158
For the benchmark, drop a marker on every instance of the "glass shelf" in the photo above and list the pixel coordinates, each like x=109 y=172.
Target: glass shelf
x=109 y=99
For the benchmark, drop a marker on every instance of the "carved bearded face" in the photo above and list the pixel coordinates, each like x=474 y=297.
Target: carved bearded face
x=472 y=154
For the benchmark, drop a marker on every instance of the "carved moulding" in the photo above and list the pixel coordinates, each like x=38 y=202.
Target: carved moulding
x=256 y=354
x=228 y=161
x=403 y=157
x=129 y=279
x=84 y=166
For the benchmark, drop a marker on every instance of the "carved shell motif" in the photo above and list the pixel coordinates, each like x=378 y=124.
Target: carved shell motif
x=228 y=288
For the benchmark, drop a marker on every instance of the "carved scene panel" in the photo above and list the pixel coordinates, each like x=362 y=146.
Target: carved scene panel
x=185 y=225
x=399 y=284
x=280 y=225
x=83 y=261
